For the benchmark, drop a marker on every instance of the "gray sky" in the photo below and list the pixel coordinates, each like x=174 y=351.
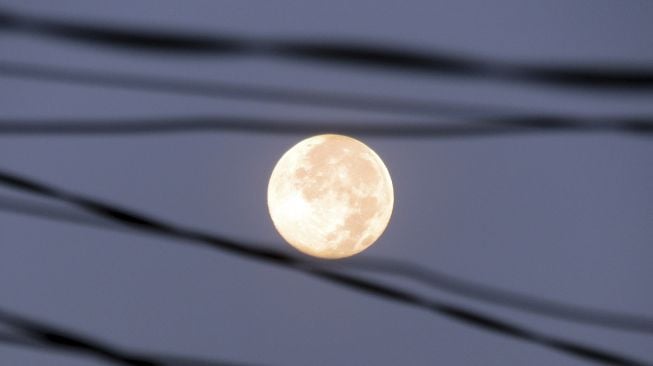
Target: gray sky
x=566 y=217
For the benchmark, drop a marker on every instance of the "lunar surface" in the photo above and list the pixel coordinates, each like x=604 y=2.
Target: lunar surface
x=330 y=196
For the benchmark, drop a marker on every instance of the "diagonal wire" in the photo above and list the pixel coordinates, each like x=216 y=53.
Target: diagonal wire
x=498 y=296
x=435 y=279
x=37 y=334
x=226 y=123
x=213 y=89
x=507 y=121
x=339 y=52
x=473 y=318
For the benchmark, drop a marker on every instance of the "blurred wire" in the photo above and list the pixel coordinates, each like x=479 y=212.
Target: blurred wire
x=507 y=122
x=469 y=128
x=506 y=298
x=379 y=56
x=243 y=92
x=413 y=271
x=331 y=52
x=35 y=334
x=314 y=269
x=24 y=207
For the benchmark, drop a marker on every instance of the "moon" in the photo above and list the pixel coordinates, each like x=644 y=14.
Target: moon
x=330 y=196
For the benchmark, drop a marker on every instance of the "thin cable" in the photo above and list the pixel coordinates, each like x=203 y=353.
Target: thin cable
x=37 y=334
x=239 y=124
x=339 y=52
x=227 y=90
x=498 y=296
x=413 y=271
x=314 y=269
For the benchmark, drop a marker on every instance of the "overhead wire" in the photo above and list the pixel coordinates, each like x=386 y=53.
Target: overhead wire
x=239 y=91
x=345 y=53
x=26 y=332
x=359 y=284
x=413 y=271
x=468 y=127
x=589 y=76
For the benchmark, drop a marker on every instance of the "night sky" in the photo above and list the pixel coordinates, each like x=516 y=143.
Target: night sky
x=563 y=216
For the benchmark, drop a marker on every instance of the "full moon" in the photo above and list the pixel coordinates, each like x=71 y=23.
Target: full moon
x=330 y=196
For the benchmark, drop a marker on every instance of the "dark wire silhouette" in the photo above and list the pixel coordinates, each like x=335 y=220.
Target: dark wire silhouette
x=503 y=119
x=333 y=52
x=215 y=89
x=36 y=334
x=435 y=279
x=470 y=128
x=339 y=52
x=498 y=296
x=317 y=270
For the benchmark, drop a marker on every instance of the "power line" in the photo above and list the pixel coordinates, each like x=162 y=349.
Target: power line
x=502 y=297
x=213 y=89
x=334 y=52
x=413 y=271
x=507 y=122
x=339 y=52
x=476 y=319
x=225 y=123
x=37 y=334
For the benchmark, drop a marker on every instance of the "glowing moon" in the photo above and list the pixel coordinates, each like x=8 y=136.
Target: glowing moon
x=330 y=196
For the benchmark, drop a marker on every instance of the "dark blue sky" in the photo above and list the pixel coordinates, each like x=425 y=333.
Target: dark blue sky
x=566 y=217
